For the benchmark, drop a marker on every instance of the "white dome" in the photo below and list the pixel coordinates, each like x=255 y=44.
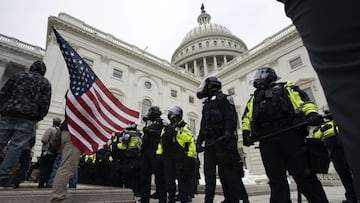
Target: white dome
x=207 y=29
x=207 y=39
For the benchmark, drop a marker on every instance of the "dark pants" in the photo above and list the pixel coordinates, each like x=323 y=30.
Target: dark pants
x=341 y=166
x=230 y=178
x=173 y=169
x=151 y=165
x=45 y=166
x=330 y=31
x=287 y=152
x=24 y=161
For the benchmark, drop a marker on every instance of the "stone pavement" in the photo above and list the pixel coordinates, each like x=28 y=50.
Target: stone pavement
x=29 y=193
x=260 y=194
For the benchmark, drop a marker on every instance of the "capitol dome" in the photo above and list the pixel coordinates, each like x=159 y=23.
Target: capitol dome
x=207 y=47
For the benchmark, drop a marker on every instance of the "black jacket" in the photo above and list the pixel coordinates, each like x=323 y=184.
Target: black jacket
x=26 y=95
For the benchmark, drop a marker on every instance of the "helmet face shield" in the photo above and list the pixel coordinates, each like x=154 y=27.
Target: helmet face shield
x=207 y=86
x=175 y=114
x=261 y=74
x=202 y=90
x=263 y=77
x=152 y=114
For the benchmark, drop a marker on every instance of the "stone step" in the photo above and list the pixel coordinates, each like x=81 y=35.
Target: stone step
x=88 y=195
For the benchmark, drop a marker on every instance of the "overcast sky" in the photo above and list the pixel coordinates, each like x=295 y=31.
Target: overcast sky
x=159 y=25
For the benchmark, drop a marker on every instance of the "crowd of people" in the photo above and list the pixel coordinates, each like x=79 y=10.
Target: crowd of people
x=169 y=151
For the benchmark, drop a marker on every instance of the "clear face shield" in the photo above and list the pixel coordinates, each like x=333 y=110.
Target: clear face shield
x=174 y=114
x=260 y=78
x=201 y=92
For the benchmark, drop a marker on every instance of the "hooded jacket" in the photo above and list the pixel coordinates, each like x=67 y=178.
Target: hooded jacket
x=26 y=95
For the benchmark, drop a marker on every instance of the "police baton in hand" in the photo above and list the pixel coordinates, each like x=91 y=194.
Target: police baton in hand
x=305 y=123
x=200 y=148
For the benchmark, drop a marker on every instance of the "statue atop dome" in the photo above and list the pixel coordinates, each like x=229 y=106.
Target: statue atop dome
x=202 y=8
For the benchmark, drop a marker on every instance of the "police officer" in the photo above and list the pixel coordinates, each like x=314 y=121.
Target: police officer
x=218 y=130
x=272 y=107
x=329 y=134
x=131 y=145
x=176 y=147
x=150 y=164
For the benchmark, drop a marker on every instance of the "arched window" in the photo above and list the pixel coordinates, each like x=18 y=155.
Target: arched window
x=145 y=106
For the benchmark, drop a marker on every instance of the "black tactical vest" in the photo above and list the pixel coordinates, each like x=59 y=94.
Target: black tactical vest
x=272 y=109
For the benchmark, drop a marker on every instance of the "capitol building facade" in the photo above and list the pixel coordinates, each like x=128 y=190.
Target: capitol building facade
x=139 y=79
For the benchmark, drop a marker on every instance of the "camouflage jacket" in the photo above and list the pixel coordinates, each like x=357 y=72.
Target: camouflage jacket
x=26 y=95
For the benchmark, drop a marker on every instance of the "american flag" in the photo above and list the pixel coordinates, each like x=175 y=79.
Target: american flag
x=93 y=114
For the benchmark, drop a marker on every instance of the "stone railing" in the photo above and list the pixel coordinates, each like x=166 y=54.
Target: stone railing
x=111 y=38
x=21 y=45
x=276 y=37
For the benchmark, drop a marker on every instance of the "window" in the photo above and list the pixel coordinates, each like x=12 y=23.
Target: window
x=193 y=47
x=148 y=85
x=295 y=63
x=200 y=45
x=192 y=126
x=145 y=106
x=117 y=73
x=191 y=99
x=173 y=93
x=231 y=91
x=89 y=62
x=215 y=43
x=207 y=43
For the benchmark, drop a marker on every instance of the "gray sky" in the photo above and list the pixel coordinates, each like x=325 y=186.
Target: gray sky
x=159 y=25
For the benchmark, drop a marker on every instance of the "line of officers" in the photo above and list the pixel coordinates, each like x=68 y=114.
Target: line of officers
x=165 y=150
x=169 y=151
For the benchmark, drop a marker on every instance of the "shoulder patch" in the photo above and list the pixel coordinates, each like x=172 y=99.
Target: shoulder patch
x=230 y=99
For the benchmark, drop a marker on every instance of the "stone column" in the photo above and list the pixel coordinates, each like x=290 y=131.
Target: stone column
x=186 y=67
x=196 y=72
x=215 y=62
x=205 y=67
x=225 y=60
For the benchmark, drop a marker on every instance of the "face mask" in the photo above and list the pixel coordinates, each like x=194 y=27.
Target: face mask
x=260 y=84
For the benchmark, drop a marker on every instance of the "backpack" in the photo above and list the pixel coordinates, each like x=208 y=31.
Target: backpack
x=55 y=140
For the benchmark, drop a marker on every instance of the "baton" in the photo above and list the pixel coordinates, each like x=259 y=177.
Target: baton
x=211 y=144
x=285 y=129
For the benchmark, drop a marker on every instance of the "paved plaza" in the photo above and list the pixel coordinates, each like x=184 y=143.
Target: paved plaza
x=29 y=193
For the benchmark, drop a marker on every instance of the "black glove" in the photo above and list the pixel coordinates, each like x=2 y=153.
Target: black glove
x=314 y=119
x=247 y=139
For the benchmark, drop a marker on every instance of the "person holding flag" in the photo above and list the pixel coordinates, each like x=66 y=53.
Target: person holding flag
x=92 y=117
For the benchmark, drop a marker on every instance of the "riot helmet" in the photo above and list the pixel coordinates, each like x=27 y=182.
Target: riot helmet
x=175 y=114
x=131 y=126
x=125 y=139
x=263 y=77
x=152 y=114
x=207 y=86
x=39 y=67
x=56 y=122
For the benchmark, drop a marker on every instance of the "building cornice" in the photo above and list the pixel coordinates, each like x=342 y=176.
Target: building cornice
x=106 y=38
x=20 y=46
x=287 y=33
